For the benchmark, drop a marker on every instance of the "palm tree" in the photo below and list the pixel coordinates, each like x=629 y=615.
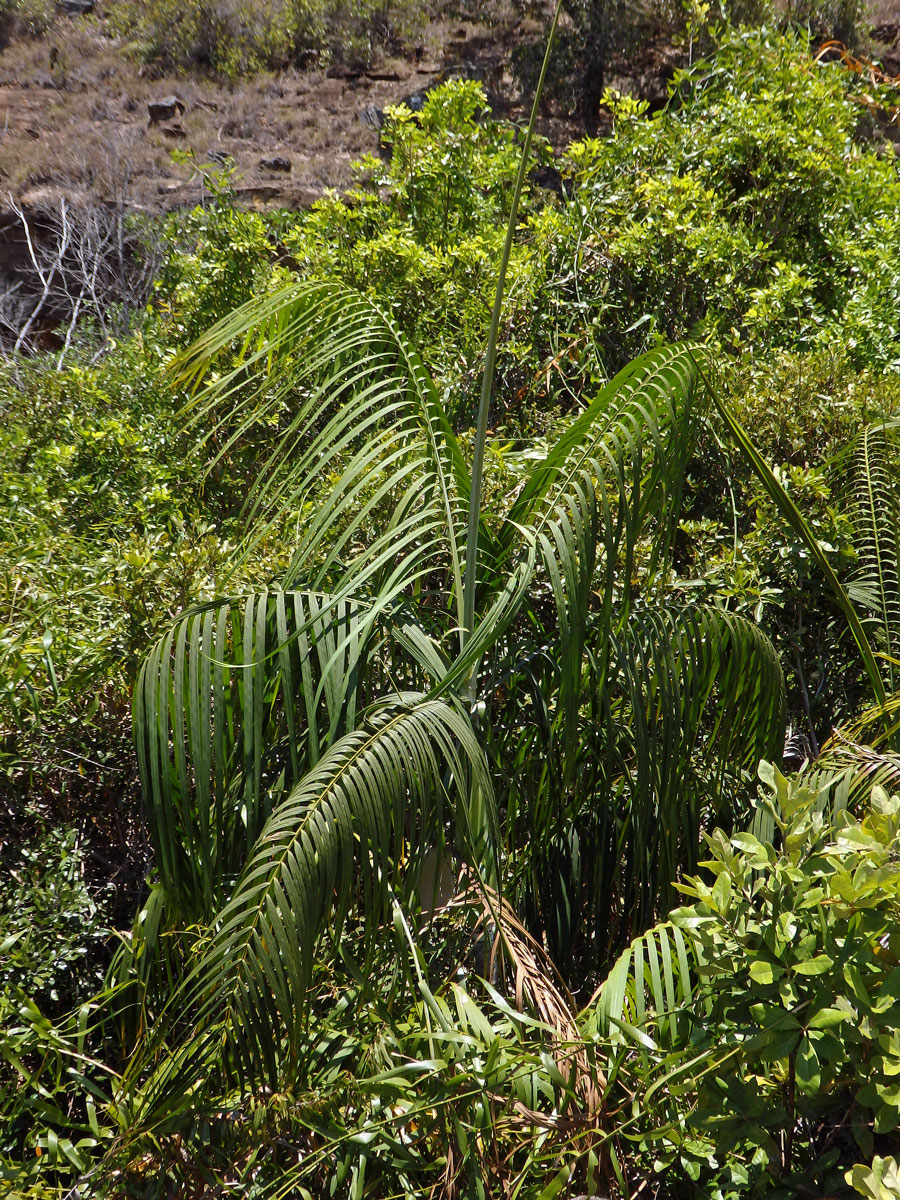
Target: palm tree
x=297 y=743
x=428 y=674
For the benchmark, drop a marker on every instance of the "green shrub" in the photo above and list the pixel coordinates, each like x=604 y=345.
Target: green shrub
x=51 y=928
x=239 y=37
x=747 y=205
x=788 y=1055
x=428 y=223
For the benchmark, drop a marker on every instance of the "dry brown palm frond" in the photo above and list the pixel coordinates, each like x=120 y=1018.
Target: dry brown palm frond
x=537 y=985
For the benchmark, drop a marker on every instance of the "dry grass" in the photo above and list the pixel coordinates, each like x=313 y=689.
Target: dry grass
x=73 y=113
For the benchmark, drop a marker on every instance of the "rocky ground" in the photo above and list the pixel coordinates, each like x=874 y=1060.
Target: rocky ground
x=75 y=112
x=77 y=115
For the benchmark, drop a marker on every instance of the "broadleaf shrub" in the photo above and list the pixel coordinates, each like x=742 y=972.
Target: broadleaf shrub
x=786 y=1070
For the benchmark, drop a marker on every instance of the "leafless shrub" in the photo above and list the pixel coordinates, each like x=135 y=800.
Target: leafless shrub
x=71 y=259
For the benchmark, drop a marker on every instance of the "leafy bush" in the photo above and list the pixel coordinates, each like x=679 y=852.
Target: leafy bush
x=237 y=37
x=428 y=221
x=787 y=1053
x=218 y=255
x=748 y=205
x=50 y=925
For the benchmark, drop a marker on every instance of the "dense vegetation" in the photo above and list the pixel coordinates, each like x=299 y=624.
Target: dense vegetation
x=362 y=739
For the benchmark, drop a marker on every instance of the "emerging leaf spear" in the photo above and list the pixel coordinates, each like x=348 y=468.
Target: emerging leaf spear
x=490 y=363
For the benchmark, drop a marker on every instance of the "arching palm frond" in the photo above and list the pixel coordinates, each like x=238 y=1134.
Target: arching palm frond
x=629 y=431
x=593 y=503
x=374 y=797
x=646 y=1012
x=649 y=992
x=875 y=509
x=360 y=431
x=635 y=717
x=671 y=719
x=585 y=507
x=703 y=702
x=232 y=705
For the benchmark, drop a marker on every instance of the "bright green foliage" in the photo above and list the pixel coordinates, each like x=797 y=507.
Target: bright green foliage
x=790 y=1028
x=101 y=532
x=450 y=167
x=429 y=222
x=748 y=205
x=219 y=255
x=881 y=1181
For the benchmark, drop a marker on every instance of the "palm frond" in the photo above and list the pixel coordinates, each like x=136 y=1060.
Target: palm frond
x=705 y=699
x=672 y=714
x=231 y=706
x=649 y=992
x=627 y=430
x=874 y=507
x=537 y=984
x=617 y=466
x=375 y=796
x=361 y=437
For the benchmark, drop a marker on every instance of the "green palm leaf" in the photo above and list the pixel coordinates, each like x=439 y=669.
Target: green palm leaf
x=360 y=431
x=233 y=703
x=672 y=713
x=648 y=990
x=374 y=797
x=705 y=702
x=637 y=410
x=874 y=505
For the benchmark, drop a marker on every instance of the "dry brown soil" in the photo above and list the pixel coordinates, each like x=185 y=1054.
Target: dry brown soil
x=74 y=117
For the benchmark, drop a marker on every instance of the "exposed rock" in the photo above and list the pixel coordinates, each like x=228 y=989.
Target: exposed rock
x=343 y=71
x=372 y=115
x=221 y=157
x=470 y=70
x=164 y=109
x=414 y=102
x=261 y=193
x=275 y=162
x=76 y=8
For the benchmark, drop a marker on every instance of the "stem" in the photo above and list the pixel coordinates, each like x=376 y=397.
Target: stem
x=804 y=690
x=789 y=1105
x=487 y=379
